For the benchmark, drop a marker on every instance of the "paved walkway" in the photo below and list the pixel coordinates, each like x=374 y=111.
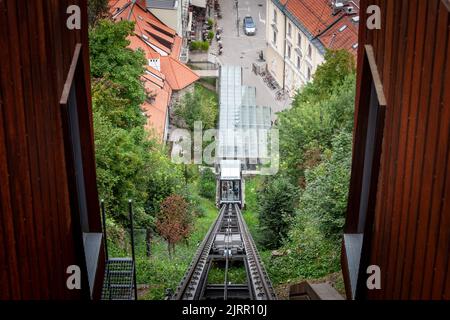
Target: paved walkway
x=239 y=49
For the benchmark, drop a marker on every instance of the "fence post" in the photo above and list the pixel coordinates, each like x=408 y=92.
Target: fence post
x=102 y=205
x=130 y=209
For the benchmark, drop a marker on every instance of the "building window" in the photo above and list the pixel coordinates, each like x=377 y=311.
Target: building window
x=74 y=108
x=289 y=49
x=308 y=76
x=274 y=40
x=299 y=39
x=289 y=30
x=299 y=63
x=309 y=51
x=275 y=16
x=369 y=132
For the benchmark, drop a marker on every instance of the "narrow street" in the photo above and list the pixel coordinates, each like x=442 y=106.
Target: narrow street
x=243 y=50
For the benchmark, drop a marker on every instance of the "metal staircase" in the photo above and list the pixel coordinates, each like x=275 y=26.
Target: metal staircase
x=119 y=282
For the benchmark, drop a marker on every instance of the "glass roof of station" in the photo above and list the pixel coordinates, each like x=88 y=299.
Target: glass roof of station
x=243 y=126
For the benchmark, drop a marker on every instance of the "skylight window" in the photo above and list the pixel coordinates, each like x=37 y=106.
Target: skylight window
x=343 y=28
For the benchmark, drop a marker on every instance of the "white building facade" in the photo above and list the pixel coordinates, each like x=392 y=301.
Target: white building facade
x=293 y=52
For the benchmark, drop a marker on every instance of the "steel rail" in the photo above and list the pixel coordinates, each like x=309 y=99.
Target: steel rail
x=194 y=285
x=261 y=284
x=188 y=288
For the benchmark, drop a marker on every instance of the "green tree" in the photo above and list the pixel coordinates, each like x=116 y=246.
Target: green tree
x=277 y=200
x=202 y=105
x=164 y=179
x=207 y=184
x=129 y=164
x=319 y=111
x=173 y=221
x=113 y=60
x=315 y=155
x=122 y=168
x=96 y=8
x=339 y=64
x=325 y=196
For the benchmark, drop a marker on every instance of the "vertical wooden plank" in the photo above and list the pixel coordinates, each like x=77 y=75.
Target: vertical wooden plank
x=8 y=232
x=399 y=247
x=409 y=221
x=433 y=167
x=441 y=202
x=386 y=49
x=413 y=246
x=398 y=75
x=32 y=101
x=5 y=224
x=61 y=220
x=16 y=133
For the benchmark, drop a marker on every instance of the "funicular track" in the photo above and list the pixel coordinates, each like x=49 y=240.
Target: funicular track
x=227 y=242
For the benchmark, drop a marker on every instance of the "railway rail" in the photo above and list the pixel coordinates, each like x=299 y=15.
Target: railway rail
x=227 y=243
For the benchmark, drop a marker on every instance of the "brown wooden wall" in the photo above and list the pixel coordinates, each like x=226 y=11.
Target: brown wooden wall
x=38 y=237
x=410 y=238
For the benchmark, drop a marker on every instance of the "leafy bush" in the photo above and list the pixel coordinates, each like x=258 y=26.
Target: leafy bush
x=319 y=111
x=174 y=221
x=96 y=8
x=207 y=184
x=325 y=198
x=199 y=45
x=315 y=153
x=204 y=46
x=277 y=202
x=112 y=59
x=129 y=164
x=202 y=105
x=195 y=45
x=210 y=35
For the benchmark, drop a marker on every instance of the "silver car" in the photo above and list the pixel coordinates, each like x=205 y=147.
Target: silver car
x=249 y=26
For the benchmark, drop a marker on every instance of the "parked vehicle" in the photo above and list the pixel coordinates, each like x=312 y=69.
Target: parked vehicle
x=249 y=26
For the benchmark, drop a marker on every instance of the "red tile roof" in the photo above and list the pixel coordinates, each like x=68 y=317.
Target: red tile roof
x=317 y=17
x=137 y=43
x=158 y=43
x=176 y=49
x=335 y=39
x=178 y=75
x=156 y=110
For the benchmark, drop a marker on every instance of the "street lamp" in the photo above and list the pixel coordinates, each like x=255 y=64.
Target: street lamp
x=236 y=3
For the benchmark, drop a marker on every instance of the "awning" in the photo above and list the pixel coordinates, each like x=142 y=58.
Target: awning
x=199 y=3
